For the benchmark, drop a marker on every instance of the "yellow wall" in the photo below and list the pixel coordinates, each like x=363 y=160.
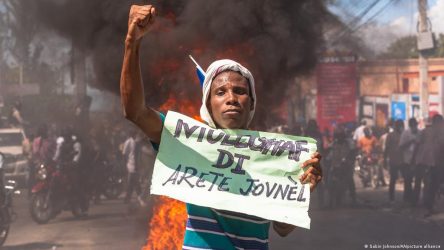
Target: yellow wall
x=385 y=77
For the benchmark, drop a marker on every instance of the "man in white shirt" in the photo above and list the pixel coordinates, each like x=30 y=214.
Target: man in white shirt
x=359 y=132
x=131 y=153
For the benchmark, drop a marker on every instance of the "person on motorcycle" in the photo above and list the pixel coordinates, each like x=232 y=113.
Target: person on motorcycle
x=43 y=148
x=59 y=187
x=366 y=146
x=359 y=131
x=68 y=158
x=367 y=143
x=62 y=153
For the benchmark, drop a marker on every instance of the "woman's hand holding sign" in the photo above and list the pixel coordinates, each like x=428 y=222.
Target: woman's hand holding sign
x=313 y=174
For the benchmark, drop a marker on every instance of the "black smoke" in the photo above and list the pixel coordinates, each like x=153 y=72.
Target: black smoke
x=276 y=40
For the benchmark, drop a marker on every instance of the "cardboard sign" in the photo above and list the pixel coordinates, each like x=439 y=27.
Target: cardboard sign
x=244 y=171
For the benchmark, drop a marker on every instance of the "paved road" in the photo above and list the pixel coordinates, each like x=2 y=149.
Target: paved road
x=373 y=223
x=113 y=225
x=355 y=228
x=110 y=225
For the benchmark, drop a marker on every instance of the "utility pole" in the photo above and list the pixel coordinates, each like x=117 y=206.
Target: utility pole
x=423 y=64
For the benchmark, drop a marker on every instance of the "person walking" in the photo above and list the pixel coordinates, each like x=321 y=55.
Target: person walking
x=393 y=156
x=408 y=144
x=341 y=159
x=424 y=159
x=435 y=173
x=131 y=150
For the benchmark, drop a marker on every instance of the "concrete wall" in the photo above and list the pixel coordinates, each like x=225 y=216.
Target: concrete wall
x=386 y=77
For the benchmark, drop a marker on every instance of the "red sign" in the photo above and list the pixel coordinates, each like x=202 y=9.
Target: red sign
x=336 y=102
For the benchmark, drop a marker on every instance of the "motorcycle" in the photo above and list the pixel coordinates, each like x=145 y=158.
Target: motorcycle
x=53 y=193
x=113 y=184
x=366 y=167
x=7 y=214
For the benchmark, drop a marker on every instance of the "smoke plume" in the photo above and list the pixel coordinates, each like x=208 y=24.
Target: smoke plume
x=276 y=40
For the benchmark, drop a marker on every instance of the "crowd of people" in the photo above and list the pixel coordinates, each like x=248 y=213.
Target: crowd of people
x=417 y=155
x=86 y=151
x=395 y=154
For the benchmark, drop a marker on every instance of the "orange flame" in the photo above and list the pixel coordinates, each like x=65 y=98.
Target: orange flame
x=167 y=226
x=163 y=67
x=244 y=49
x=184 y=106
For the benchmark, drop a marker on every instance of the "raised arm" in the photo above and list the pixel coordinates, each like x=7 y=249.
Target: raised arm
x=131 y=85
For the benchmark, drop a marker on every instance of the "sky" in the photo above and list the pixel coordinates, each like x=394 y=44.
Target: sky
x=404 y=15
x=392 y=19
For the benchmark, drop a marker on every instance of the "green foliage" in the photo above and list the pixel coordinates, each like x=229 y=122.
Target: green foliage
x=439 y=51
x=402 y=48
x=405 y=48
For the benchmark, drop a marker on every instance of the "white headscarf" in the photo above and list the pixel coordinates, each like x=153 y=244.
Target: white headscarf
x=213 y=70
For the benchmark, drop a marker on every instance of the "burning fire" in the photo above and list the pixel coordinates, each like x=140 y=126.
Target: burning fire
x=184 y=106
x=167 y=226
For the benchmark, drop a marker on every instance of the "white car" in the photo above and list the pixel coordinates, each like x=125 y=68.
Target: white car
x=15 y=164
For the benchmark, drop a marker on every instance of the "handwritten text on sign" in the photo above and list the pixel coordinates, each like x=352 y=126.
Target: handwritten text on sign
x=243 y=171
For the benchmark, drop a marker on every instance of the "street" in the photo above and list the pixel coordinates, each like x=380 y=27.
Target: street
x=110 y=225
x=114 y=225
x=233 y=100
x=373 y=223
x=354 y=228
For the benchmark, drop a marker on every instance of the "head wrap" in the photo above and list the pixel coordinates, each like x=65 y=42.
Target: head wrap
x=213 y=70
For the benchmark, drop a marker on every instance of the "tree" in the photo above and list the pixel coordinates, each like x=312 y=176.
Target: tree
x=406 y=47
x=22 y=28
x=19 y=44
x=440 y=45
x=402 y=48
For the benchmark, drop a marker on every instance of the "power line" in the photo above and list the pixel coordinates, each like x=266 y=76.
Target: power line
x=354 y=10
x=352 y=30
x=366 y=10
x=412 y=12
x=359 y=15
x=375 y=15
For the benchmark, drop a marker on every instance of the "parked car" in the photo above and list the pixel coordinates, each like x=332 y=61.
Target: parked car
x=15 y=162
